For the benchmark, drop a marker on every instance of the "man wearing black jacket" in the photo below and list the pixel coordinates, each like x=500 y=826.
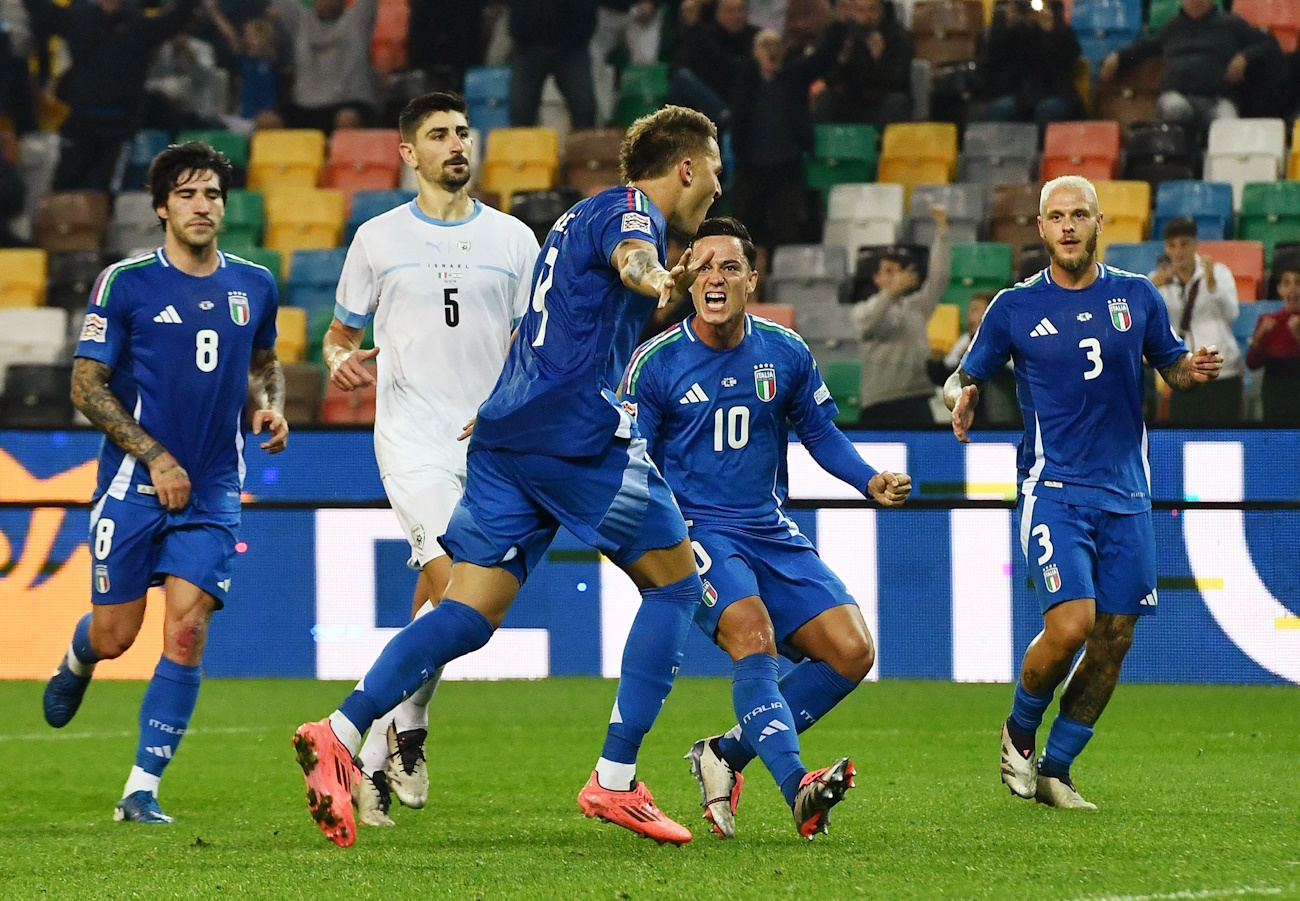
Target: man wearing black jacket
x=551 y=38
x=865 y=58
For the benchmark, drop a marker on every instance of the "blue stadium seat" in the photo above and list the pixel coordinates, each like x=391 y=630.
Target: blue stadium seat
x=369 y=204
x=313 y=278
x=147 y=144
x=1105 y=25
x=487 y=91
x=1209 y=203
x=1247 y=315
x=1139 y=257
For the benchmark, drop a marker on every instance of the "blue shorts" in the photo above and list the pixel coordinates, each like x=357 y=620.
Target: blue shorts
x=514 y=503
x=134 y=546
x=781 y=569
x=1085 y=552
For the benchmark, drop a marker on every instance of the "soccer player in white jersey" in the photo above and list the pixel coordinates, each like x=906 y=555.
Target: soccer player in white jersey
x=1077 y=333
x=440 y=276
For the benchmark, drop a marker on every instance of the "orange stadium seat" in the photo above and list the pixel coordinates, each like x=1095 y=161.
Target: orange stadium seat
x=291 y=334
x=1280 y=17
x=780 y=313
x=363 y=159
x=1245 y=259
x=388 y=42
x=521 y=159
x=1090 y=149
x=72 y=220
x=918 y=153
x=303 y=219
x=285 y=157
x=23 y=273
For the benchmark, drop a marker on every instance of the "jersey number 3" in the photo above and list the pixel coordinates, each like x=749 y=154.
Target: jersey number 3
x=539 y=293
x=1092 y=349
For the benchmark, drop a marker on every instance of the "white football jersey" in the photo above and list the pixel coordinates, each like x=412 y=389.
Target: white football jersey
x=444 y=297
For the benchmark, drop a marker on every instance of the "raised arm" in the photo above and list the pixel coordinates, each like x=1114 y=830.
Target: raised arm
x=266 y=379
x=638 y=267
x=92 y=396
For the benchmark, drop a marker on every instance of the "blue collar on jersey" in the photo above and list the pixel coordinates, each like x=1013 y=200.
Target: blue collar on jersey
x=1101 y=274
x=689 y=332
x=420 y=214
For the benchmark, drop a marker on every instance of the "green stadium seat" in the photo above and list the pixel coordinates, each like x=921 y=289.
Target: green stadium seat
x=233 y=145
x=843 y=154
x=260 y=255
x=1164 y=10
x=641 y=91
x=980 y=266
x=844 y=380
x=245 y=218
x=1270 y=213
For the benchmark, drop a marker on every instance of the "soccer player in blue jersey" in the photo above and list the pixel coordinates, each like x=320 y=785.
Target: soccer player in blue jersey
x=1077 y=334
x=171 y=344
x=714 y=398
x=553 y=446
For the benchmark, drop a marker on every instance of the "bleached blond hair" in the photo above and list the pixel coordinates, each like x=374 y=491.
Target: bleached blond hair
x=1069 y=181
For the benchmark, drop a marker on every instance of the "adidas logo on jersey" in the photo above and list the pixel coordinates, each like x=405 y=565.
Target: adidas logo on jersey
x=168 y=315
x=773 y=728
x=695 y=396
x=1043 y=329
x=165 y=752
x=1150 y=600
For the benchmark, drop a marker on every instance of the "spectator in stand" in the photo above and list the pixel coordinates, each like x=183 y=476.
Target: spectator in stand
x=1206 y=52
x=552 y=37
x=770 y=132
x=1201 y=296
x=634 y=24
x=865 y=61
x=17 y=94
x=1029 y=66
x=769 y=15
x=892 y=324
x=257 y=66
x=1275 y=347
x=333 y=83
x=712 y=57
x=805 y=23
x=446 y=38
x=998 y=406
x=189 y=89
x=111 y=47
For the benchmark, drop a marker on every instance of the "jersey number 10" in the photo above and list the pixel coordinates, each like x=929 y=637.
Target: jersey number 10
x=733 y=426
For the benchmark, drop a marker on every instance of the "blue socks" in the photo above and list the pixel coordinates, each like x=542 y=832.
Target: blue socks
x=765 y=720
x=448 y=631
x=811 y=690
x=651 y=657
x=1065 y=742
x=81 y=641
x=165 y=713
x=1027 y=711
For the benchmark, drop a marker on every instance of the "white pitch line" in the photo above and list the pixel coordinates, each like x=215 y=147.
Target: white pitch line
x=1188 y=895
x=77 y=736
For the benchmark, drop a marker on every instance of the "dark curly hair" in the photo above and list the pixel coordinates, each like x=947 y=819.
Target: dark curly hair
x=168 y=167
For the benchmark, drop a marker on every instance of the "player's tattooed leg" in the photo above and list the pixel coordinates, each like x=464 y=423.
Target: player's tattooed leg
x=1093 y=681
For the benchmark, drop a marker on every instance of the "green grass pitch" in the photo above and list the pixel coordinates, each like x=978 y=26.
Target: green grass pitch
x=1199 y=789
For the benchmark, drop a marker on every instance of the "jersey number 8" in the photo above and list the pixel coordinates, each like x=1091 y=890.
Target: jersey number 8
x=205 y=350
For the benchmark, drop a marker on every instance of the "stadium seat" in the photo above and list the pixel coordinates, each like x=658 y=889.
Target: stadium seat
x=302 y=393
x=944 y=328
x=366 y=205
x=999 y=153
x=1131 y=96
x=304 y=219
x=842 y=154
x=1245 y=150
x=1293 y=164
x=291 y=334
x=843 y=379
x=145 y=145
x=231 y=143
x=487 y=93
x=1090 y=149
x=1248 y=315
x=23 y=274
x=591 y=159
x=859 y=214
x=363 y=159
x=780 y=313
x=72 y=220
x=641 y=91
x=1245 y=259
x=539 y=209
x=947 y=31
x=1126 y=211
x=1270 y=212
x=32 y=335
x=355 y=407
x=1030 y=260
x=807 y=273
x=1209 y=203
x=1105 y=25
x=521 y=159
x=1279 y=17
x=245 y=217
x=1139 y=257
x=980 y=266
x=313 y=285
x=134 y=226
x=965 y=206
x=285 y=157
x=37 y=396
x=1013 y=215
x=918 y=153
x=261 y=256
x=71 y=275
x=388 y=40
x=1157 y=152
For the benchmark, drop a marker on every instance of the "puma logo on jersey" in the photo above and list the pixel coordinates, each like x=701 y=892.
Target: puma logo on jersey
x=694 y=396
x=168 y=315
x=1043 y=328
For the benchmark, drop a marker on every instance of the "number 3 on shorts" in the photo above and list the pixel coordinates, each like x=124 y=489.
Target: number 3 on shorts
x=1044 y=536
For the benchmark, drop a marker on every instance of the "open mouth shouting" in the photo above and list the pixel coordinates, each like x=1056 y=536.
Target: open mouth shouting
x=715 y=301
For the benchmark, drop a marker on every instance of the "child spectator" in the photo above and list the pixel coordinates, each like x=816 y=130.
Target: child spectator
x=257 y=66
x=1275 y=347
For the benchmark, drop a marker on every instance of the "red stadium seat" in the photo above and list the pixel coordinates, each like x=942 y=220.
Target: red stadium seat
x=388 y=43
x=1245 y=259
x=363 y=159
x=1090 y=149
x=1280 y=17
x=355 y=407
x=780 y=313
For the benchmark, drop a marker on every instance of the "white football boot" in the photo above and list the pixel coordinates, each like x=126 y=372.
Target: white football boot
x=1019 y=773
x=408 y=776
x=372 y=799
x=720 y=785
x=1055 y=792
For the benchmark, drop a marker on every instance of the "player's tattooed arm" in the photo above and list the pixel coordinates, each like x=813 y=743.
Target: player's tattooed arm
x=1192 y=370
x=91 y=395
x=267 y=379
x=961 y=393
x=639 y=268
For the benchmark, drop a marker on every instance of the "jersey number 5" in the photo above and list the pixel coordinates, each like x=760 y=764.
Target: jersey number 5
x=1092 y=349
x=450 y=308
x=539 y=293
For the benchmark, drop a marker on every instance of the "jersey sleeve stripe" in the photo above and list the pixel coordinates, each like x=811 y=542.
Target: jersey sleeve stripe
x=768 y=325
x=239 y=259
x=649 y=349
x=104 y=285
x=351 y=319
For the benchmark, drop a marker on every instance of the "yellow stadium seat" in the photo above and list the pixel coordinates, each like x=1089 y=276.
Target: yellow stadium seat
x=944 y=327
x=291 y=329
x=22 y=277
x=1124 y=201
x=521 y=159
x=303 y=219
x=285 y=157
x=918 y=153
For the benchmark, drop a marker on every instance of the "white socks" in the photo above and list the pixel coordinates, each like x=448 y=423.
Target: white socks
x=346 y=732
x=139 y=780
x=615 y=777
x=84 y=670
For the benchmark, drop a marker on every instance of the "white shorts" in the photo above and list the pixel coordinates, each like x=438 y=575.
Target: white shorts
x=423 y=500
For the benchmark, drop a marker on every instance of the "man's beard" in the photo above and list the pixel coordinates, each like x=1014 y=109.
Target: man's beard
x=447 y=180
x=1074 y=267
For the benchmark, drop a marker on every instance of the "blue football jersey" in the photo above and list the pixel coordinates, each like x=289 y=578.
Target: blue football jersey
x=180 y=347
x=555 y=394
x=1077 y=356
x=717 y=421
